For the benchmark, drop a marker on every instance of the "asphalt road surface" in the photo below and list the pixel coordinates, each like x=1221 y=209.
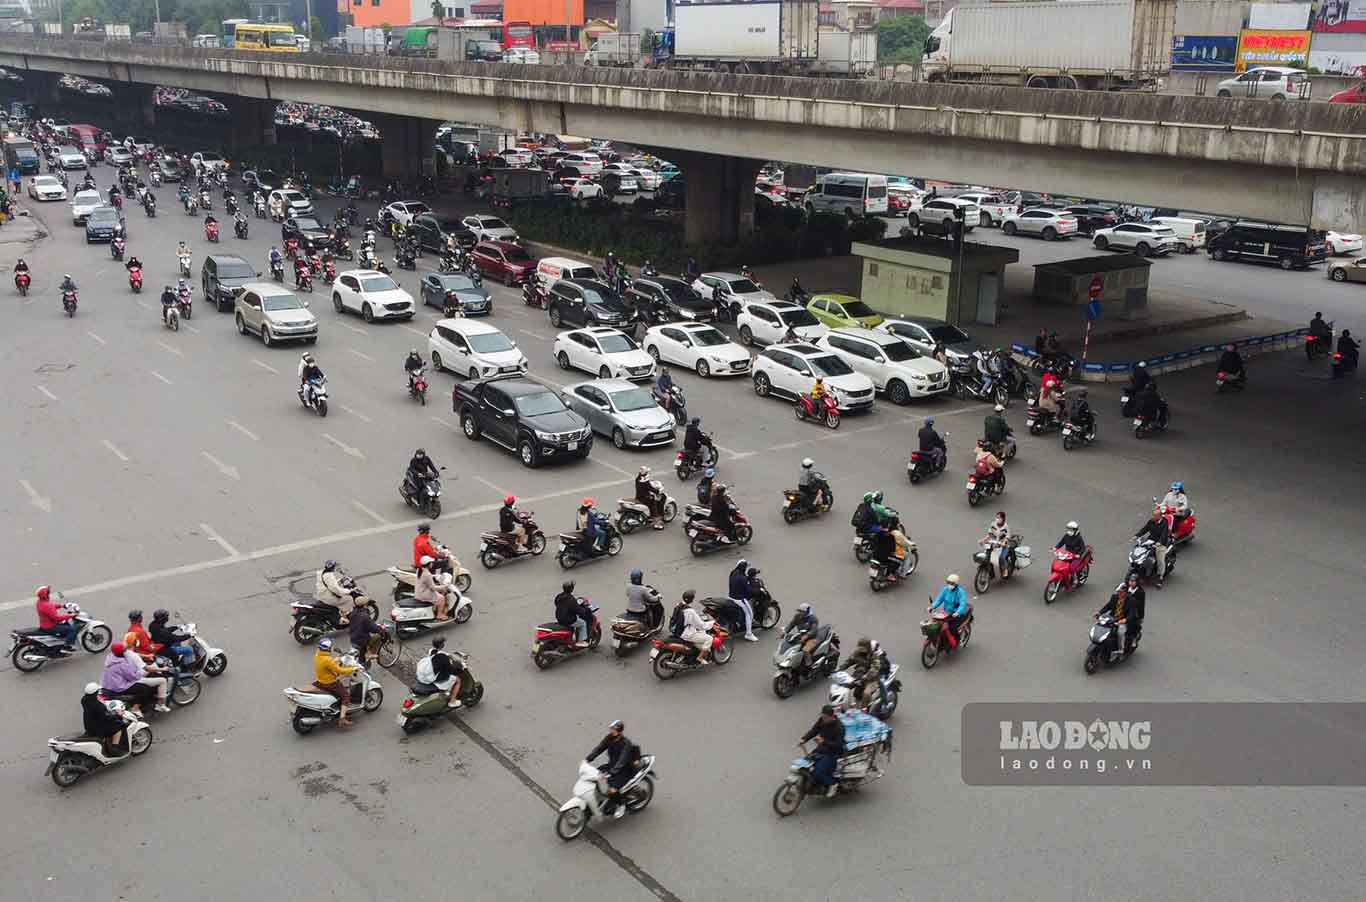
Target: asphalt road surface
x=154 y=469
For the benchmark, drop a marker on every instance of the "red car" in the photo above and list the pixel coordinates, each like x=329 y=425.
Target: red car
x=503 y=260
x=1354 y=94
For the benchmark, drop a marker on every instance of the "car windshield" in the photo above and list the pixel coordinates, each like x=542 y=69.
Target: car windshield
x=87 y=197
x=377 y=283
x=798 y=318
x=171 y=165
x=46 y=181
x=457 y=282
x=281 y=39
x=210 y=157
x=591 y=296
x=416 y=208
x=947 y=334
x=857 y=308
x=293 y=197
x=278 y=302
x=631 y=399
x=708 y=338
x=1164 y=231
x=517 y=255
x=898 y=351
x=104 y=215
x=235 y=271
x=492 y=222
x=680 y=292
x=538 y=404
x=830 y=365
x=615 y=344
x=743 y=286
x=308 y=224
x=268 y=176
x=489 y=342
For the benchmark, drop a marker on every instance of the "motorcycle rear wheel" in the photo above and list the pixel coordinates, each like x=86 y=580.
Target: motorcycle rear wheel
x=489 y=559
x=22 y=663
x=661 y=668
x=300 y=726
x=67 y=770
x=788 y=799
x=388 y=652
x=307 y=630
x=640 y=795
x=542 y=660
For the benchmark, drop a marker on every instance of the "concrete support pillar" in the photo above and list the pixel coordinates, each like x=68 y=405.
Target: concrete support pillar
x=253 y=121
x=146 y=112
x=407 y=145
x=720 y=197
x=41 y=90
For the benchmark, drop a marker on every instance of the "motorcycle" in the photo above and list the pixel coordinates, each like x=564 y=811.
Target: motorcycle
x=704 y=536
x=135 y=279
x=74 y=755
x=314 y=619
x=207 y=660
x=1183 y=528
x=155 y=176
x=230 y=205
x=314 y=396
x=426 y=702
x=191 y=206
x=311 y=706
x=183 y=265
x=674 y=403
x=1318 y=345
x=979 y=487
x=1074 y=435
x=417 y=390
x=277 y=270
x=1041 y=419
x=184 y=690
x=150 y=207
x=532 y=295
x=404 y=258
x=857 y=766
x=330 y=276
x=1145 y=426
x=923 y=464
x=315 y=264
x=411 y=617
x=966 y=384
x=1017 y=558
x=935 y=631
x=1143 y=561
x=259 y=208
x=796 y=506
x=589 y=799
x=1230 y=381
x=1106 y=649
x=1069 y=572
x=844 y=693
x=672 y=656
x=22 y=280
x=688 y=462
x=206 y=201
x=792 y=672
x=303 y=280
x=496 y=547
x=554 y=642
x=240 y=227
x=446 y=565
x=292 y=248
x=32 y=647
x=211 y=232
x=727 y=614
x=170 y=317
x=629 y=630
x=882 y=574
x=69 y=302
x=826 y=410
x=184 y=304
x=576 y=546
x=632 y=514
x=116 y=249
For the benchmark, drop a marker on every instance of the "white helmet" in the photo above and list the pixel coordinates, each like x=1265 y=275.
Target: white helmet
x=1072 y=527
x=807 y=463
x=92 y=688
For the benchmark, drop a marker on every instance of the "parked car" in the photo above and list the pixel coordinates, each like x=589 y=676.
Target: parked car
x=923 y=333
x=670 y=298
x=1353 y=270
x=1049 y=225
x=522 y=416
x=735 y=288
x=372 y=294
x=944 y=212
x=1189 y=232
x=403 y=212
x=1270 y=82
x=623 y=411
x=223 y=276
x=1092 y=216
x=768 y=323
x=1337 y=243
x=466 y=346
x=1355 y=94
x=1142 y=238
x=697 y=346
x=1288 y=246
x=582 y=188
x=275 y=313
x=83 y=204
x=790 y=370
x=586 y=302
x=896 y=368
x=209 y=159
x=438 y=287
x=992 y=209
x=609 y=353
x=508 y=263
x=620 y=178
x=490 y=228
x=836 y=310
x=585 y=163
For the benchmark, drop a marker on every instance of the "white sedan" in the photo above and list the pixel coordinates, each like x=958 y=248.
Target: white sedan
x=1342 y=243
x=404 y=212
x=208 y=159
x=648 y=179
x=46 y=187
x=608 y=353
x=582 y=189
x=83 y=204
x=372 y=294
x=697 y=346
x=1047 y=224
x=490 y=228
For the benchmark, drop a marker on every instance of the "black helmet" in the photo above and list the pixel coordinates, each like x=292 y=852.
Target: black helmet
x=688 y=596
x=160 y=614
x=439 y=642
x=567 y=585
x=419 y=453
x=134 y=615
x=697 y=421
x=752 y=572
x=637 y=576
x=424 y=527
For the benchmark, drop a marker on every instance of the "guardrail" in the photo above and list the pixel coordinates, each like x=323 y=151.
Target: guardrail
x=1197 y=355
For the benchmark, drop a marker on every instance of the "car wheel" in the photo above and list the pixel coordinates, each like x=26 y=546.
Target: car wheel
x=336 y=303
x=985 y=220
x=509 y=279
x=474 y=374
x=366 y=313
x=703 y=369
x=469 y=426
x=762 y=386
x=746 y=337
x=619 y=439
x=1101 y=242
x=1225 y=93
x=1218 y=253
x=1050 y=234
x=913 y=220
x=241 y=325
x=1339 y=275
x=527 y=452
x=266 y=338
x=1009 y=228
x=563 y=360
x=653 y=352
x=436 y=361
x=1286 y=263
x=1142 y=249
x=555 y=319
x=897 y=392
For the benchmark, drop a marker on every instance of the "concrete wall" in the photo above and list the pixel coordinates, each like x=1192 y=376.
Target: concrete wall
x=1211 y=17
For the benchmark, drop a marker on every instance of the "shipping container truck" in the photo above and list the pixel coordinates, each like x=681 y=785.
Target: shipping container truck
x=511 y=186
x=1100 y=45
x=419 y=41
x=473 y=40
x=847 y=54
x=614 y=49
x=744 y=36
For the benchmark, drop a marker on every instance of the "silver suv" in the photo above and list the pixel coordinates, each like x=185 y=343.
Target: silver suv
x=275 y=313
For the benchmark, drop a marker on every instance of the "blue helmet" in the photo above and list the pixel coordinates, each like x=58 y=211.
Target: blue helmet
x=325 y=643
x=929 y=421
x=1178 y=486
x=637 y=576
x=711 y=473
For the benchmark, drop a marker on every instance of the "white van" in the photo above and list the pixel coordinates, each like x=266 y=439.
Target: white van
x=552 y=269
x=1190 y=232
x=849 y=193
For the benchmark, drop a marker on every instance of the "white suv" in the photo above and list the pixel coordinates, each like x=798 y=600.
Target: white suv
x=1140 y=237
x=789 y=371
x=767 y=324
x=992 y=208
x=464 y=345
x=896 y=368
x=944 y=211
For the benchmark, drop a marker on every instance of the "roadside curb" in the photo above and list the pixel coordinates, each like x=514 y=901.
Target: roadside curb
x=1199 y=355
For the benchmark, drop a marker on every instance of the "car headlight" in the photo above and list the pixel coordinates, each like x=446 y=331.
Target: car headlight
x=545 y=436
x=916 y=377
x=687 y=314
x=715 y=359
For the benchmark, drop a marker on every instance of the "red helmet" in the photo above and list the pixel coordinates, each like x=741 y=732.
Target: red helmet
x=43 y=592
x=509 y=500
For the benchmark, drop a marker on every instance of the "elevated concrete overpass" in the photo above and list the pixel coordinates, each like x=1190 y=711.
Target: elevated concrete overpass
x=1288 y=162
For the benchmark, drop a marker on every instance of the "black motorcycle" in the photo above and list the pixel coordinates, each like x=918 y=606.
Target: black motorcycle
x=674 y=403
x=313 y=619
x=1076 y=433
x=687 y=462
x=577 y=546
x=727 y=614
x=426 y=499
x=239 y=228
x=965 y=383
x=797 y=505
x=924 y=464
x=1146 y=425
x=1041 y=419
x=1105 y=650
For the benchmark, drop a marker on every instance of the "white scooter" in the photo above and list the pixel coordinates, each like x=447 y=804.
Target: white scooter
x=843 y=688
x=412 y=617
x=632 y=514
x=590 y=796
x=207 y=660
x=311 y=706
x=405 y=579
x=75 y=755
x=314 y=396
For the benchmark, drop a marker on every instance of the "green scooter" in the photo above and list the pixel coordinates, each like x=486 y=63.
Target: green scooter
x=425 y=702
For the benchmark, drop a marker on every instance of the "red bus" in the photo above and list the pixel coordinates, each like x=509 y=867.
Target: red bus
x=518 y=34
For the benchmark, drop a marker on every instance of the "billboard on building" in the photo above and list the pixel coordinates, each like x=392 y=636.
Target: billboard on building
x=1204 y=52
x=543 y=12
x=1340 y=16
x=1271 y=48
x=1279 y=16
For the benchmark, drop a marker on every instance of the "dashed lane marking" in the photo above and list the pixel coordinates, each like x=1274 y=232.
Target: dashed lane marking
x=114 y=450
x=171 y=350
x=244 y=430
x=157 y=375
x=97 y=338
x=369 y=513
x=219 y=540
x=362 y=355
x=50 y=396
x=265 y=366
x=355 y=413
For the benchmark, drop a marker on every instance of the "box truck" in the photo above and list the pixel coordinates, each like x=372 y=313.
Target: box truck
x=744 y=36
x=846 y=54
x=614 y=49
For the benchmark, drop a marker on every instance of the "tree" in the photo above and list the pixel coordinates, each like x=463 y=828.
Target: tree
x=315 y=31
x=901 y=39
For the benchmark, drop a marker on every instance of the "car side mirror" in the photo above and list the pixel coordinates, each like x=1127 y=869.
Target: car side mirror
x=508 y=411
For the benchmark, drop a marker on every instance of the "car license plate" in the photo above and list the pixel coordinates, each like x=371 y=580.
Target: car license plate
x=970 y=486
x=654 y=653
x=1138 y=421
x=1029 y=422
x=1067 y=430
x=1124 y=399
x=573 y=446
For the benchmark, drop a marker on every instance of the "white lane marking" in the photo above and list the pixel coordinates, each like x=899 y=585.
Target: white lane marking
x=230 y=472
x=735 y=455
x=293 y=547
x=369 y=513
x=357 y=329
x=172 y=350
x=355 y=413
x=265 y=366
x=444 y=422
x=191 y=328
x=613 y=467
x=50 y=395
x=414 y=331
x=536 y=335
x=786 y=445
x=347 y=449
x=161 y=377
x=38 y=501
x=222 y=542
x=114 y=449
x=97 y=338
x=363 y=356
x=497 y=488
x=142 y=304
x=244 y=430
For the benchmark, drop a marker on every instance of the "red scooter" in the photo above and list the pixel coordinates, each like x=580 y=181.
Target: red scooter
x=21 y=281
x=69 y=302
x=1183 y=528
x=292 y=248
x=329 y=272
x=303 y=278
x=135 y=279
x=1070 y=571
x=315 y=264
x=182 y=301
x=211 y=231
x=555 y=642
x=826 y=410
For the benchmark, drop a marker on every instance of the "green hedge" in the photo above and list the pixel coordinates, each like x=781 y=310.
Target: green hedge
x=628 y=233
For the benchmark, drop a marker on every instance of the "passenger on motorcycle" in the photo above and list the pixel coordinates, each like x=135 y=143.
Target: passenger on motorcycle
x=686 y=625
x=53 y=619
x=1127 y=606
x=998 y=535
x=101 y=722
x=953 y=601
x=120 y=676
x=808 y=623
x=867 y=665
x=329 y=590
x=169 y=638
x=704 y=486
x=421 y=469
x=309 y=371
x=1051 y=395
x=327 y=676
x=1158 y=528
x=982 y=367
x=623 y=762
x=509 y=523
x=429 y=590
x=1147 y=402
x=739 y=592
x=572 y=613
x=828 y=732
x=902 y=550
x=722 y=514
x=884 y=545
x=648 y=495
x=445 y=671
x=932 y=443
x=589 y=522
x=1177 y=502
x=640 y=598
x=987 y=465
x=810 y=484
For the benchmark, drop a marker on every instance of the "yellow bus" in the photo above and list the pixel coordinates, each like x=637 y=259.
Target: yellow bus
x=256 y=36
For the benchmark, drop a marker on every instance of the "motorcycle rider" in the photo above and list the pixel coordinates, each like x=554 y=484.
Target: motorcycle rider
x=1051 y=395
x=998 y=536
x=664 y=385
x=420 y=470
x=67 y=284
x=828 y=732
x=1318 y=328
x=867 y=664
x=301 y=270
x=648 y=271
x=121 y=677
x=54 y=619
x=996 y=431
x=902 y=550
x=447 y=671
x=327 y=676
x=738 y=591
x=1231 y=362
x=648 y=495
x=704 y=486
x=169 y=638
x=277 y=259
x=366 y=634
x=686 y=625
x=952 y=600
x=509 y=523
x=1079 y=411
x=722 y=514
x=806 y=621
x=329 y=589
x=797 y=294
x=987 y=464
x=422 y=545
x=642 y=599
x=932 y=443
x=183 y=256
x=1126 y=605
x=623 y=762
x=1148 y=403
x=309 y=372
x=19 y=267
x=694 y=439
x=168 y=300
x=1347 y=347
x=1177 y=503
x=589 y=522
x=1159 y=530
x=99 y=721
x=573 y=614
x=1071 y=540
x=133 y=263
x=208 y=221
x=811 y=485
x=982 y=369
x=818 y=391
